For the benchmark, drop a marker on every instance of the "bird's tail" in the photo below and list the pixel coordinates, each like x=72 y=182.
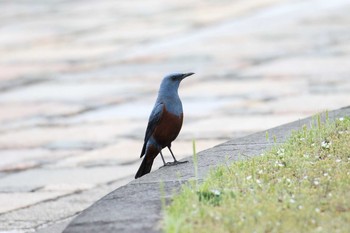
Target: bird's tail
x=145 y=167
x=147 y=162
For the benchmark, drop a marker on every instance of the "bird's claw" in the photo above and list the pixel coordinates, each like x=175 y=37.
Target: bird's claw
x=173 y=163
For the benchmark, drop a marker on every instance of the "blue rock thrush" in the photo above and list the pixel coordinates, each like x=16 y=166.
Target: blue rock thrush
x=164 y=123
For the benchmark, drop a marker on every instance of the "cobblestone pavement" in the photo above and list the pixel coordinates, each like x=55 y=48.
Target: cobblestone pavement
x=78 y=80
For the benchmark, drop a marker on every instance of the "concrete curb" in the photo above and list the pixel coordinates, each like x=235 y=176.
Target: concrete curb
x=136 y=207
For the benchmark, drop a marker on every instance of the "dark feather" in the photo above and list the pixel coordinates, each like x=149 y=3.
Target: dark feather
x=152 y=123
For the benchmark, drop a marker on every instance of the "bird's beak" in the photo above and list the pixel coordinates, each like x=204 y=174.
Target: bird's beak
x=186 y=75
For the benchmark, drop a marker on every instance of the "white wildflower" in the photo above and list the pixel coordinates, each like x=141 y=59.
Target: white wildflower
x=326 y=144
x=248 y=177
x=215 y=192
x=279 y=163
x=341 y=118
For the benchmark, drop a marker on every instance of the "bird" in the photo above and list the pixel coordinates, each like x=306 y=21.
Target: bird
x=164 y=123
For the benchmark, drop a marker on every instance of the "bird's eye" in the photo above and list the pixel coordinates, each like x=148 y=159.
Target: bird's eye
x=173 y=78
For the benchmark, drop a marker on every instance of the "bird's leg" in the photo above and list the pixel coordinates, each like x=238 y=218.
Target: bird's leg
x=170 y=163
x=162 y=158
x=164 y=163
x=175 y=161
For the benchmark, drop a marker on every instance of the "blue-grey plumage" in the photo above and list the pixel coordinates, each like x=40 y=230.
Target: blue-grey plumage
x=164 y=123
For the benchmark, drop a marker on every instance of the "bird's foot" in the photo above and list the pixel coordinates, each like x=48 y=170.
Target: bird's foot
x=175 y=163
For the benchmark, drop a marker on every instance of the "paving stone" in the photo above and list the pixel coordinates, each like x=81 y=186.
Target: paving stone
x=71 y=179
x=13 y=72
x=2 y=174
x=40 y=136
x=44 y=214
x=330 y=66
x=13 y=111
x=56 y=227
x=204 y=107
x=122 y=152
x=23 y=159
x=13 y=226
x=310 y=103
x=46 y=54
x=12 y=201
x=73 y=92
x=131 y=110
x=329 y=87
x=233 y=88
x=225 y=126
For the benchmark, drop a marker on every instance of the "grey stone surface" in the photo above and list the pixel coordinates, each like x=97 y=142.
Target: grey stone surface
x=57 y=227
x=136 y=207
x=30 y=218
x=65 y=179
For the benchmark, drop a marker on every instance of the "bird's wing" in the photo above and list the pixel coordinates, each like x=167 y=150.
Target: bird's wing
x=152 y=123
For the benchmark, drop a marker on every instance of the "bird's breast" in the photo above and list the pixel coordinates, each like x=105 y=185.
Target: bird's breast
x=168 y=128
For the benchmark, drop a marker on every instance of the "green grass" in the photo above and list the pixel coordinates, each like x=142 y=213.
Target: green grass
x=300 y=186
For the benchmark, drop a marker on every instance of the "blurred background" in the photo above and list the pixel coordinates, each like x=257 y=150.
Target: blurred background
x=78 y=80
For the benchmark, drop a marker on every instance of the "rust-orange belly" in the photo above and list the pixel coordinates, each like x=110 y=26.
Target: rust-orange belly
x=168 y=128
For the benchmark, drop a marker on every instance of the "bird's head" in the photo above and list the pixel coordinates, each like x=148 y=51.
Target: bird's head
x=171 y=82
